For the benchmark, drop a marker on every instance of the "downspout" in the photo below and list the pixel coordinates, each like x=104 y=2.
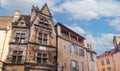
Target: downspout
x=57 y=47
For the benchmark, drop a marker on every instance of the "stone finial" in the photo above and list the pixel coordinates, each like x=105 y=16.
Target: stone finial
x=17 y=15
x=35 y=7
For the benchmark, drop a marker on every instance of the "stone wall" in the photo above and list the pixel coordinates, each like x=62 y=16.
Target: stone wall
x=64 y=55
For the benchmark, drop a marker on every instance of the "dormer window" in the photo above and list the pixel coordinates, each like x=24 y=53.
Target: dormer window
x=40 y=35
x=43 y=22
x=46 y=24
x=22 y=24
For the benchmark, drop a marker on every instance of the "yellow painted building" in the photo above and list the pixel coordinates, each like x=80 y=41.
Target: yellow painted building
x=110 y=60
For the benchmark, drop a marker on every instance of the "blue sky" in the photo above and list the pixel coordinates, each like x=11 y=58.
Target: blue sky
x=96 y=20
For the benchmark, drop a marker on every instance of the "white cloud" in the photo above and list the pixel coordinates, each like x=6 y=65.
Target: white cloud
x=25 y=5
x=89 y=9
x=115 y=23
x=3 y=2
x=77 y=29
x=102 y=43
x=78 y=9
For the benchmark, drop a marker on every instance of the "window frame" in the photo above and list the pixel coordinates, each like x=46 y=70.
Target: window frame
x=72 y=48
x=102 y=62
x=17 y=55
x=107 y=61
x=41 y=57
x=42 y=38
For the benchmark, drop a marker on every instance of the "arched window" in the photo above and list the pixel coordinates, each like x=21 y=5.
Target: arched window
x=72 y=49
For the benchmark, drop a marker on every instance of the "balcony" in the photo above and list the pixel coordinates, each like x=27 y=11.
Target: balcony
x=66 y=36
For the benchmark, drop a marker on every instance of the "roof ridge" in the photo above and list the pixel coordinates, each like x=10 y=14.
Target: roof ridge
x=6 y=16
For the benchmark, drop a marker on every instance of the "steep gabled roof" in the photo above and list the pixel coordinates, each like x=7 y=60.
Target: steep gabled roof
x=4 y=22
x=45 y=10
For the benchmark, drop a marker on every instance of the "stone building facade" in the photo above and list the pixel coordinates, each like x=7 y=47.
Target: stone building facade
x=91 y=58
x=110 y=60
x=33 y=43
x=29 y=41
x=73 y=53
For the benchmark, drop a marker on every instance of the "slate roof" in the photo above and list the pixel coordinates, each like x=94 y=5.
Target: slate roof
x=106 y=53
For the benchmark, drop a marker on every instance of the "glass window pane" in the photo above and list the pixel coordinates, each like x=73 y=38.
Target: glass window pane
x=17 y=34
x=44 y=55
x=45 y=42
x=72 y=49
x=38 y=60
x=23 y=35
x=45 y=36
x=40 y=40
x=19 y=59
x=39 y=54
x=14 y=52
x=83 y=66
x=17 y=40
x=41 y=23
x=40 y=35
x=44 y=61
x=23 y=40
x=20 y=53
x=13 y=59
x=46 y=24
x=73 y=63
